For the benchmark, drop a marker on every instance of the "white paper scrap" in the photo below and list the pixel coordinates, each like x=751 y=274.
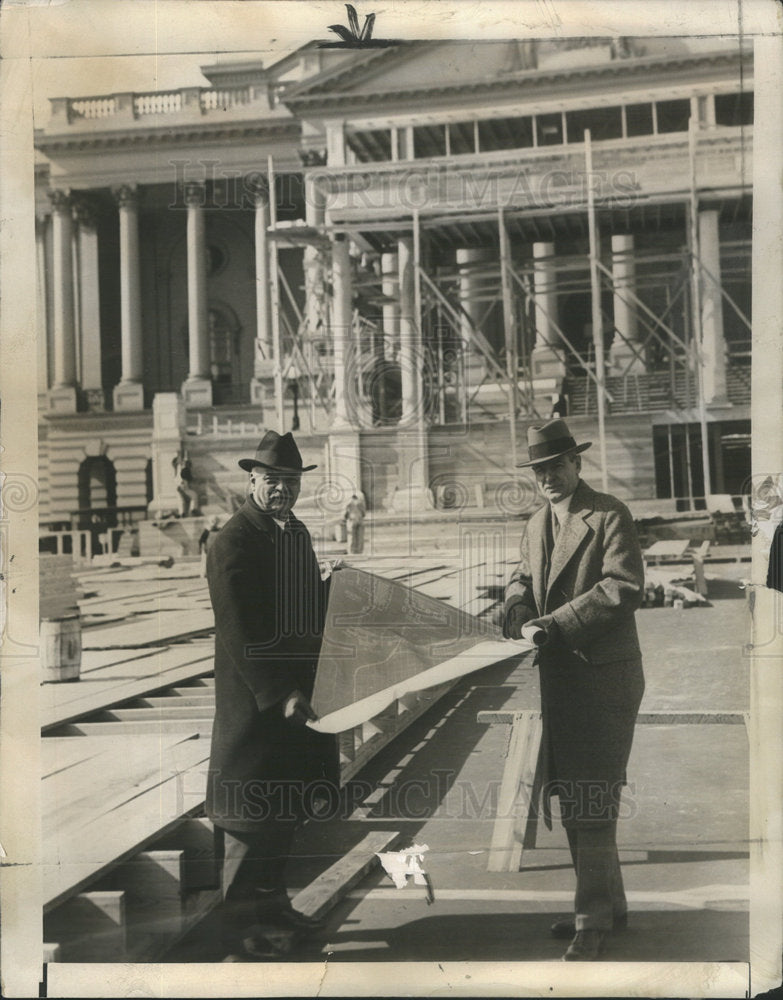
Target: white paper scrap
x=398 y=865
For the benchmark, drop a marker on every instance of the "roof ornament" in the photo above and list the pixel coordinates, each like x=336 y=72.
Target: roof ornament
x=353 y=37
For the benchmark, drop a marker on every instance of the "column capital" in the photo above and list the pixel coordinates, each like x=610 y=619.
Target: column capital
x=312 y=157
x=195 y=194
x=60 y=199
x=126 y=196
x=257 y=186
x=85 y=211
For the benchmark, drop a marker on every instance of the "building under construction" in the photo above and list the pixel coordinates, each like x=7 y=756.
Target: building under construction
x=407 y=253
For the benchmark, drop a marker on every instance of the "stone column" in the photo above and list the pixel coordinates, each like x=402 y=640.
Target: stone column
x=41 y=324
x=410 y=355
x=62 y=396
x=543 y=360
x=713 y=342
x=621 y=356
x=390 y=309
x=89 y=312
x=315 y=212
x=411 y=492
x=342 y=323
x=129 y=394
x=469 y=291
x=262 y=364
x=168 y=430
x=197 y=388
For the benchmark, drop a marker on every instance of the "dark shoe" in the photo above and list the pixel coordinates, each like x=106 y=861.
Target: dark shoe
x=566 y=928
x=276 y=908
x=263 y=941
x=586 y=946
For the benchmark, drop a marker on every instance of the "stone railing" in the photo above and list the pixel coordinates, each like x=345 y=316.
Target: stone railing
x=158 y=103
x=122 y=109
x=92 y=107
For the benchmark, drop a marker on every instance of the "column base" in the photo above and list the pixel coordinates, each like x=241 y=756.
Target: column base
x=197 y=392
x=410 y=500
x=622 y=359
x=544 y=363
x=261 y=390
x=345 y=470
x=164 y=506
x=62 y=399
x=95 y=400
x=128 y=396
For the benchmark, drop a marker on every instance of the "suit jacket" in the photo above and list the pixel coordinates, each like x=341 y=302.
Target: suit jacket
x=270 y=606
x=591 y=582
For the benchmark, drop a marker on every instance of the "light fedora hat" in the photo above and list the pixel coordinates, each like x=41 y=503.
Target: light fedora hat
x=277 y=452
x=548 y=441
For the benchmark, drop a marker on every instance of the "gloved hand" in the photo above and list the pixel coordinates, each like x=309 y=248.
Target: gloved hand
x=549 y=627
x=517 y=615
x=298 y=709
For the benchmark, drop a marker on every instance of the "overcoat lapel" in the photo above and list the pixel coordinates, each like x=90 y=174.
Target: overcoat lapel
x=572 y=533
x=538 y=557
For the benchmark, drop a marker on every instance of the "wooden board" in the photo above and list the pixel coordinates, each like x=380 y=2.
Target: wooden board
x=321 y=895
x=119 y=682
x=74 y=856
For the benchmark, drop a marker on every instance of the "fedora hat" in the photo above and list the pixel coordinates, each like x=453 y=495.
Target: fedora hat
x=551 y=440
x=277 y=452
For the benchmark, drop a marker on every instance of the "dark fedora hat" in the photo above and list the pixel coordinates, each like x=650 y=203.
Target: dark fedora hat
x=548 y=441
x=277 y=452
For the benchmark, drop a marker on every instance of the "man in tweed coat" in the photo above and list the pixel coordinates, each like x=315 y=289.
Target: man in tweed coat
x=266 y=764
x=580 y=580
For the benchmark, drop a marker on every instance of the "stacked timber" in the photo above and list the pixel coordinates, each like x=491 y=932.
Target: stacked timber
x=60 y=626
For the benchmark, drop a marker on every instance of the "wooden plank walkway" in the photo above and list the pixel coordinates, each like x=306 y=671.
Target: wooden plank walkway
x=88 y=828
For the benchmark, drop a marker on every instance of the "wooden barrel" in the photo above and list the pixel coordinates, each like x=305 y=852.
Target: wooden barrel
x=61 y=648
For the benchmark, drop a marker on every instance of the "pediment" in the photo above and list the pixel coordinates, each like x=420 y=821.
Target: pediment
x=424 y=64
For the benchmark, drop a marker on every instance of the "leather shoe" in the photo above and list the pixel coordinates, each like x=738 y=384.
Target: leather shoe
x=276 y=908
x=566 y=928
x=586 y=946
x=262 y=941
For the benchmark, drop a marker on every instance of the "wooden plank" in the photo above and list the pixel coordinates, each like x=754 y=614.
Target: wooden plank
x=154 y=899
x=168 y=625
x=71 y=862
x=507 y=716
x=115 y=730
x=515 y=799
x=176 y=698
x=51 y=952
x=90 y=928
x=328 y=889
x=72 y=798
x=162 y=715
x=123 y=681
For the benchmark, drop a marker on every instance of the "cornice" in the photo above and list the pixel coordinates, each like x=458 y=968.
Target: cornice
x=163 y=135
x=526 y=79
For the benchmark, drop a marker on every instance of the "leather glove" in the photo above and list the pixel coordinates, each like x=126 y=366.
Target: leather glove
x=517 y=615
x=298 y=709
x=548 y=625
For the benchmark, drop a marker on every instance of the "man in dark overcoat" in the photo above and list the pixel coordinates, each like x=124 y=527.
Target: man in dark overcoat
x=266 y=765
x=580 y=580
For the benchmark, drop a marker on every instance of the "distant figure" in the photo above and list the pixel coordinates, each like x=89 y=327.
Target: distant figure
x=183 y=477
x=559 y=405
x=354 y=521
x=206 y=538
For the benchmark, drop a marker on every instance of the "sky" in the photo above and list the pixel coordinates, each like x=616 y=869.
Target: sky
x=89 y=47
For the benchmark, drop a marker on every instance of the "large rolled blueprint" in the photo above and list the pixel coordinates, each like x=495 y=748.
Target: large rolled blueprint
x=383 y=640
